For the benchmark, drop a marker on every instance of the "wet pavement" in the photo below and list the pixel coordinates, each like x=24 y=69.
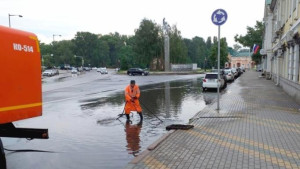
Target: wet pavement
x=257 y=127
x=80 y=113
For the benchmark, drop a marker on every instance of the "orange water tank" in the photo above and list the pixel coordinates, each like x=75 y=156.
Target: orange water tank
x=20 y=75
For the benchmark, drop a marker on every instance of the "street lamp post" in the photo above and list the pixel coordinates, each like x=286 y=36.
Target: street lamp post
x=54 y=36
x=9 y=15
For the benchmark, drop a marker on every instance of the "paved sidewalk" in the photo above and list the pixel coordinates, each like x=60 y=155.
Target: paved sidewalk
x=258 y=126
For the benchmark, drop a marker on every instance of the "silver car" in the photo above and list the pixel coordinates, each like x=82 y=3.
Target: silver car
x=229 y=75
x=48 y=72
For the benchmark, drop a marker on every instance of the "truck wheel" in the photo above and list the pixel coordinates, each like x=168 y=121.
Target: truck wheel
x=2 y=157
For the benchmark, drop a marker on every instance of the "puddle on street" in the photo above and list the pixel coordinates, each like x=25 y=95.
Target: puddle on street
x=87 y=133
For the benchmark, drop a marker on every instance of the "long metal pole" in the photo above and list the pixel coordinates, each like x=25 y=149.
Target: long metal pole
x=219 y=80
x=9 y=20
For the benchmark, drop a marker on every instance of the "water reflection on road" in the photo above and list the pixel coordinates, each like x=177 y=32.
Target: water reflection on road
x=86 y=134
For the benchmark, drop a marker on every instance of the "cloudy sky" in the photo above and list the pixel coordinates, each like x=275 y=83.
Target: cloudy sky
x=66 y=17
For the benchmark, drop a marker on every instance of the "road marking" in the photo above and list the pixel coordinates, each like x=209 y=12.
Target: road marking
x=268 y=158
x=24 y=106
x=151 y=162
x=277 y=121
x=274 y=126
x=250 y=142
x=293 y=110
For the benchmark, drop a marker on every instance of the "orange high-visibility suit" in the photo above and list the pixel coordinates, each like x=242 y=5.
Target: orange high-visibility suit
x=132 y=94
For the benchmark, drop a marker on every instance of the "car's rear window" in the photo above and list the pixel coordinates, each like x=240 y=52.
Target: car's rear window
x=211 y=76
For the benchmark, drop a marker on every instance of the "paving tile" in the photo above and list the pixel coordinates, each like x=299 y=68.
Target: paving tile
x=258 y=126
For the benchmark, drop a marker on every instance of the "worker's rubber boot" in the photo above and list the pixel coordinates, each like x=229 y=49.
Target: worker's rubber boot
x=141 y=116
x=127 y=116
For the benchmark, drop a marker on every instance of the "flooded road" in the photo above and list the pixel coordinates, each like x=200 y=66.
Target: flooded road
x=84 y=132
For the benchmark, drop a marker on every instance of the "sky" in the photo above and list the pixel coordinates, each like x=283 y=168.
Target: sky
x=46 y=18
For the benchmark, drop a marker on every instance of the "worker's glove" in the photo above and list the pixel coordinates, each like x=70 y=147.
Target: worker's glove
x=132 y=99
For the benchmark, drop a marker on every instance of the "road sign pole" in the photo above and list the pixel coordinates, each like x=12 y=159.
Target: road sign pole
x=219 y=17
x=219 y=80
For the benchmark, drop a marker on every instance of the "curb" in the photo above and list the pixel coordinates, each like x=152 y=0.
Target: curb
x=151 y=147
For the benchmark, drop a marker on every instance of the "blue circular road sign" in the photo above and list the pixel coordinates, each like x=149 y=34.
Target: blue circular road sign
x=219 y=17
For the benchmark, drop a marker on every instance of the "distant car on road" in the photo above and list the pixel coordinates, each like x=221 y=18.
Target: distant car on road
x=74 y=71
x=137 y=71
x=56 y=72
x=49 y=72
x=210 y=81
x=102 y=70
x=87 y=68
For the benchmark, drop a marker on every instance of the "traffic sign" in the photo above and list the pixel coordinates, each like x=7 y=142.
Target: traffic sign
x=219 y=17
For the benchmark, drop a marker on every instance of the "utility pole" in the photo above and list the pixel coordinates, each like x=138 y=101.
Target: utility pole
x=166 y=28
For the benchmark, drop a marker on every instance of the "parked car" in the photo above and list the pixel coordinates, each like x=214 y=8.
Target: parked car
x=56 y=72
x=235 y=72
x=65 y=67
x=222 y=73
x=48 y=72
x=74 y=71
x=259 y=68
x=87 y=68
x=240 y=72
x=137 y=71
x=211 y=81
x=102 y=70
x=243 y=69
x=229 y=75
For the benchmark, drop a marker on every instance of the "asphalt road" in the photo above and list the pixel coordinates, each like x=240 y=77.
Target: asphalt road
x=80 y=113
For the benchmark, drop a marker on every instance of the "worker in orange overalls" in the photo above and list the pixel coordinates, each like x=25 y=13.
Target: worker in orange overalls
x=132 y=94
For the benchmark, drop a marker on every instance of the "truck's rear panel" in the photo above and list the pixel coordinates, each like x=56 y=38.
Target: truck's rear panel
x=20 y=75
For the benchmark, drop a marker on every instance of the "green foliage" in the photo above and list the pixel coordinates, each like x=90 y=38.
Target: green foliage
x=253 y=36
x=144 y=49
x=178 y=49
x=148 y=43
x=223 y=53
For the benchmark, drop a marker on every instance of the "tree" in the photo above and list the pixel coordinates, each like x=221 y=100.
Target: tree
x=64 y=52
x=178 y=49
x=148 y=43
x=223 y=53
x=236 y=47
x=85 y=45
x=253 y=36
x=46 y=51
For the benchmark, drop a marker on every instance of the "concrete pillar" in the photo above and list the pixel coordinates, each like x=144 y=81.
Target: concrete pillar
x=290 y=69
x=167 y=53
x=296 y=64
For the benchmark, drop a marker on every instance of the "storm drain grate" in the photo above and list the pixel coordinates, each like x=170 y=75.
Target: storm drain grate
x=179 y=127
x=208 y=117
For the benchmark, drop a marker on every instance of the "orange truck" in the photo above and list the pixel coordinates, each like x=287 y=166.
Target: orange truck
x=21 y=85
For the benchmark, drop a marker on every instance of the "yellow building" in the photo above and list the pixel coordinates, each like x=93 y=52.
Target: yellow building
x=281 y=44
